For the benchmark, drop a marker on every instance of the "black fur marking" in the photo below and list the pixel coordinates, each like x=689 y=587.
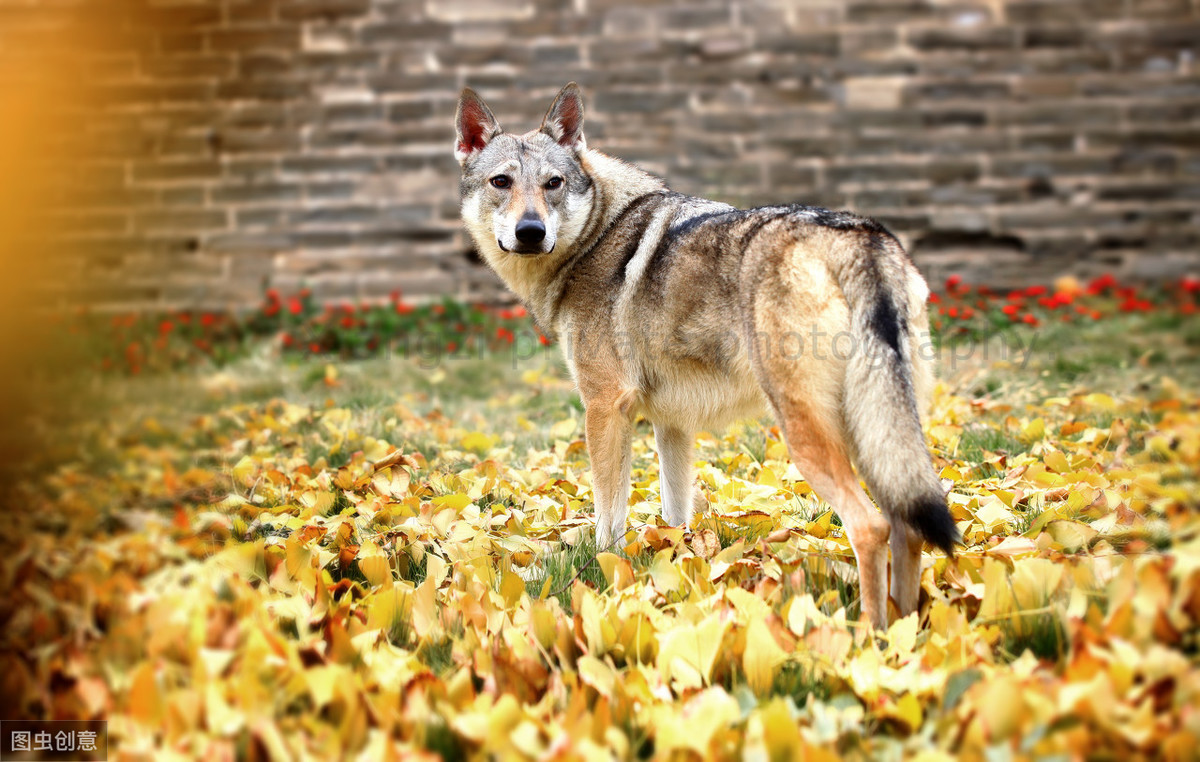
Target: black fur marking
x=885 y=321
x=656 y=265
x=570 y=266
x=930 y=516
x=688 y=225
x=631 y=249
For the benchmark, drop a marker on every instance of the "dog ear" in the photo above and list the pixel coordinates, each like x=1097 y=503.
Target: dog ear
x=564 y=120
x=474 y=124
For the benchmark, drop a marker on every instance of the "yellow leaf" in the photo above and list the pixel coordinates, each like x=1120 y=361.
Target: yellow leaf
x=993 y=516
x=1034 y=430
x=769 y=478
x=906 y=709
x=478 y=442
x=244 y=470
x=425 y=613
x=323 y=681
x=457 y=501
x=1056 y=461
x=564 y=429
x=780 y=732
x=664 y=574
x=512 y=587
x=686 y=655
x=1102 y=401
x=376 y=569
x=598 y=675
x=617 y=571
x=145 y=696
x=598 y=629
x=1071 y=535
x=762 y=657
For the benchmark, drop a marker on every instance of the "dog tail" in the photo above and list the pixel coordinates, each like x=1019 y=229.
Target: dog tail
x=885 y=387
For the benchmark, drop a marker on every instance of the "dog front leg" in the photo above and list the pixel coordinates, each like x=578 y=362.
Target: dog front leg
x=675 y=448
x=609 y=441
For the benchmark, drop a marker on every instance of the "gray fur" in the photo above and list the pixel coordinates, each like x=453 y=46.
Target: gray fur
x=693 y=314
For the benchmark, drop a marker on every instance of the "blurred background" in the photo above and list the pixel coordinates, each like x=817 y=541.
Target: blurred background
x=185 y=154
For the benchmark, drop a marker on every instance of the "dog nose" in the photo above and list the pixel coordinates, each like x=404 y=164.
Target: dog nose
x=530 y=230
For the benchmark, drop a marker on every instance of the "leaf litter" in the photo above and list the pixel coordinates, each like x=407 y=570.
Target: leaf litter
x=344 y=567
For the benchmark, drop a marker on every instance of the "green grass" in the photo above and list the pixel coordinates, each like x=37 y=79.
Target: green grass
x=978 y=440
x=1043 y=633
x=559 y=569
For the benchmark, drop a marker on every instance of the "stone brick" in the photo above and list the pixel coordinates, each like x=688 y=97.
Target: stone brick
x=180 y=170
x=323 y=10
x=968 y=38
x=170 y=220
x=245 y=39
x=257 y=193
x=404 y=32
x=241 y=142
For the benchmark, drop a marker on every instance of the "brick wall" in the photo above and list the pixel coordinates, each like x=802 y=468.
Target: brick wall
x=231 y=145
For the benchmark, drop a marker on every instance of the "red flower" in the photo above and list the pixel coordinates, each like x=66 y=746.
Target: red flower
x=967 y=313
x=545 y=342
x=451 y=347
x=1011 y=309
x=1015 y=296
x=403 y=309
x=272 y=295
x=1190 y=284
x=349 y=321
x=1035 y=291
x=288 y=340
x=165 y=327
x=295 y=306
x=952 y=312
x=1101 y=284
x=394 y=296
x=1188 y=308
x=314 y=347
x=953 y=282
x=935 y=298
x=272 y=309
x=439 y=309
x=519 y=311
x=1032 y=320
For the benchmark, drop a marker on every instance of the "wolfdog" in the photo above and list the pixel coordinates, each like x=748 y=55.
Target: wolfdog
x=693 y=314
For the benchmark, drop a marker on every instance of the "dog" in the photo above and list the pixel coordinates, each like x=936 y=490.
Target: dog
x=693 y=314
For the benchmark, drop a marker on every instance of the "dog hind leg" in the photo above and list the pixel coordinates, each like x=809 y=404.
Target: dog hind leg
x=821 y=457
x=906 y=565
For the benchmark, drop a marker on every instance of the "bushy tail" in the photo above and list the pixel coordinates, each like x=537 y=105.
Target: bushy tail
x=881 y=400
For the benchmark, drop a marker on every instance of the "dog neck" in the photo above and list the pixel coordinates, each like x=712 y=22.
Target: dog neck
x=615 y=184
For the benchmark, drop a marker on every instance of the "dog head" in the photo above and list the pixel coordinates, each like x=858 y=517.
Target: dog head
x=523 y=195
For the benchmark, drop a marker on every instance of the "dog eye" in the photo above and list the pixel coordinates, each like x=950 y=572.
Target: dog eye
x=554 y=182
x=501 y=181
